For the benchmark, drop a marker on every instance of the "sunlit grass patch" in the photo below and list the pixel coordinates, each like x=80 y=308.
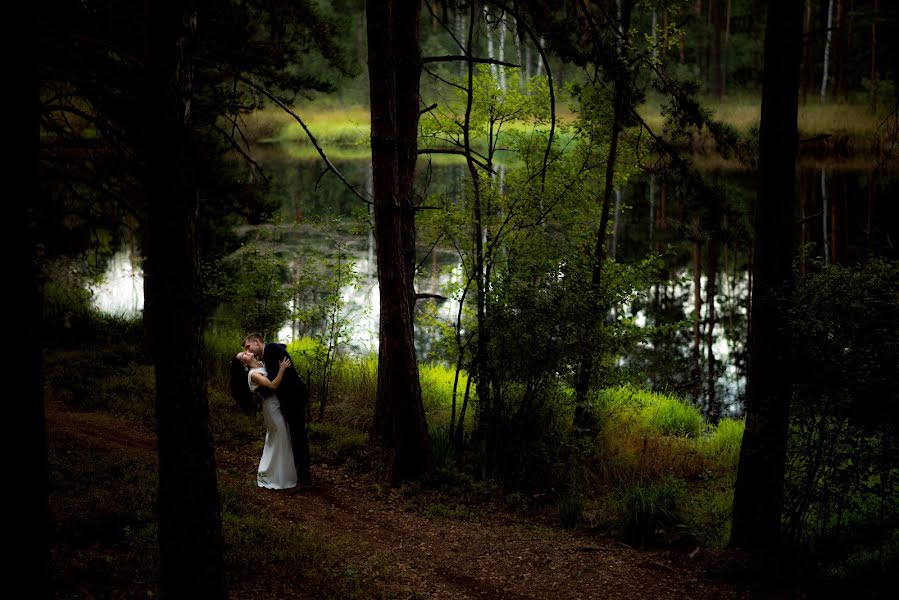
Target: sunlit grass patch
x=853 y=119
x=744 y=113
x=437 y=391
x=624 y=456
x=723 y=443
x=327 y=124
x=664 y=414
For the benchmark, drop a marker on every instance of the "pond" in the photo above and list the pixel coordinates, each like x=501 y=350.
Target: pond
x=845 y=213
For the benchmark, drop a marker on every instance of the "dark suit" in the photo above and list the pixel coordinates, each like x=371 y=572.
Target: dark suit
x=293 y=395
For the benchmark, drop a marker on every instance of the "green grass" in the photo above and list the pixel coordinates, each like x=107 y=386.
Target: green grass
x=662 y=414
x=723 y=443
x=345 y=125
x=744 y=111
x=344 y=132
x=437 y=391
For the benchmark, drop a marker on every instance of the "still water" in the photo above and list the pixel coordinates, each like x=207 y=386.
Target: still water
x=844 y=215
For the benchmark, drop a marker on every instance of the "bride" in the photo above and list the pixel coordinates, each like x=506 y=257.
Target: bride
x=276 y=468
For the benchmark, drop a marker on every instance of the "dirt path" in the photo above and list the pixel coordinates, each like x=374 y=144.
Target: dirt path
x=408 y=555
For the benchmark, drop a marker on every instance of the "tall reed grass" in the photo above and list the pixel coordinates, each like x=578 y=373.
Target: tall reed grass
x=662 y=414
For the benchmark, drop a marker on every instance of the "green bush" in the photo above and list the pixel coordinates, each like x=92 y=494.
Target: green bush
x=842 y=464
x=646 y=507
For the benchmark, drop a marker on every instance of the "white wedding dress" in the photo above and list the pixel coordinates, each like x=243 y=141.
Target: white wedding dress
x=277 y=470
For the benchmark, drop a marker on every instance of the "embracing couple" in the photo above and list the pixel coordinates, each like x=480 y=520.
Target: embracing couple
x=266 y=368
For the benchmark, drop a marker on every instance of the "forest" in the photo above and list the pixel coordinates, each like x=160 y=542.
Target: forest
x=586 y=298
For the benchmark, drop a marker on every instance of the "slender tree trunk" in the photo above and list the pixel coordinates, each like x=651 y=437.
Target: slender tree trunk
x=726 y=48
x=459 y=437
x=825 y=214
x=394 y=67
x=840 y=55
x=701 y=50
x=717 y=73
x=714 y=409
x=615 y=223
x=502 y=51
x=837 y=230
x=538 y=69
x=665 y=29
x=663 y=208
x=28 y=515
x=696 y=372
x=487 y=411
x=823 y=96
x=874 y=74
x=190 y=527
x=488 y=32
x=527 y=64
x=869 y=212
x=517 y=36
x=583 y=420
x=803 y=229
x=759 y=490
x=808 y=61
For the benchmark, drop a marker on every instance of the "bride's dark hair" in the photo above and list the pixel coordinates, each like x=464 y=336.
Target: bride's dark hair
x=240 y=388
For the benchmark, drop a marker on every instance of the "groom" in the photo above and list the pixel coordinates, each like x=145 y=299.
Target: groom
x=293 y=395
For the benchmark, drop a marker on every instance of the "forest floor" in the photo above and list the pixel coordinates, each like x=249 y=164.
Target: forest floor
x=398 y=552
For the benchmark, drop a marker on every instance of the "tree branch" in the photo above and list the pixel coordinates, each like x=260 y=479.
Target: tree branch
x=458 y=152
x=439 y=78
x=549 y=80
x=461 y=57
x=426 y=296
x=311 y=137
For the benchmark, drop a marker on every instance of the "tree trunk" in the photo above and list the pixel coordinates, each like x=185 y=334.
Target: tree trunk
x=840 y=57
x=29 y=513
x=702 y=58
x=583 y=420
x=713 y=406
x=717 y=74
x=758 y=494
x=808 y=61
x=803 y=220
x=665 y=29
x=394 y=67
x=696 y=372
x=726 y=47
x=488 y=413
x=874 y=75
x=823 y=96
x=825 y=214
x=190 y=527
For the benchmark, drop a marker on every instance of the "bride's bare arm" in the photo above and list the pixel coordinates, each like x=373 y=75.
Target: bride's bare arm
x=273 y=384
